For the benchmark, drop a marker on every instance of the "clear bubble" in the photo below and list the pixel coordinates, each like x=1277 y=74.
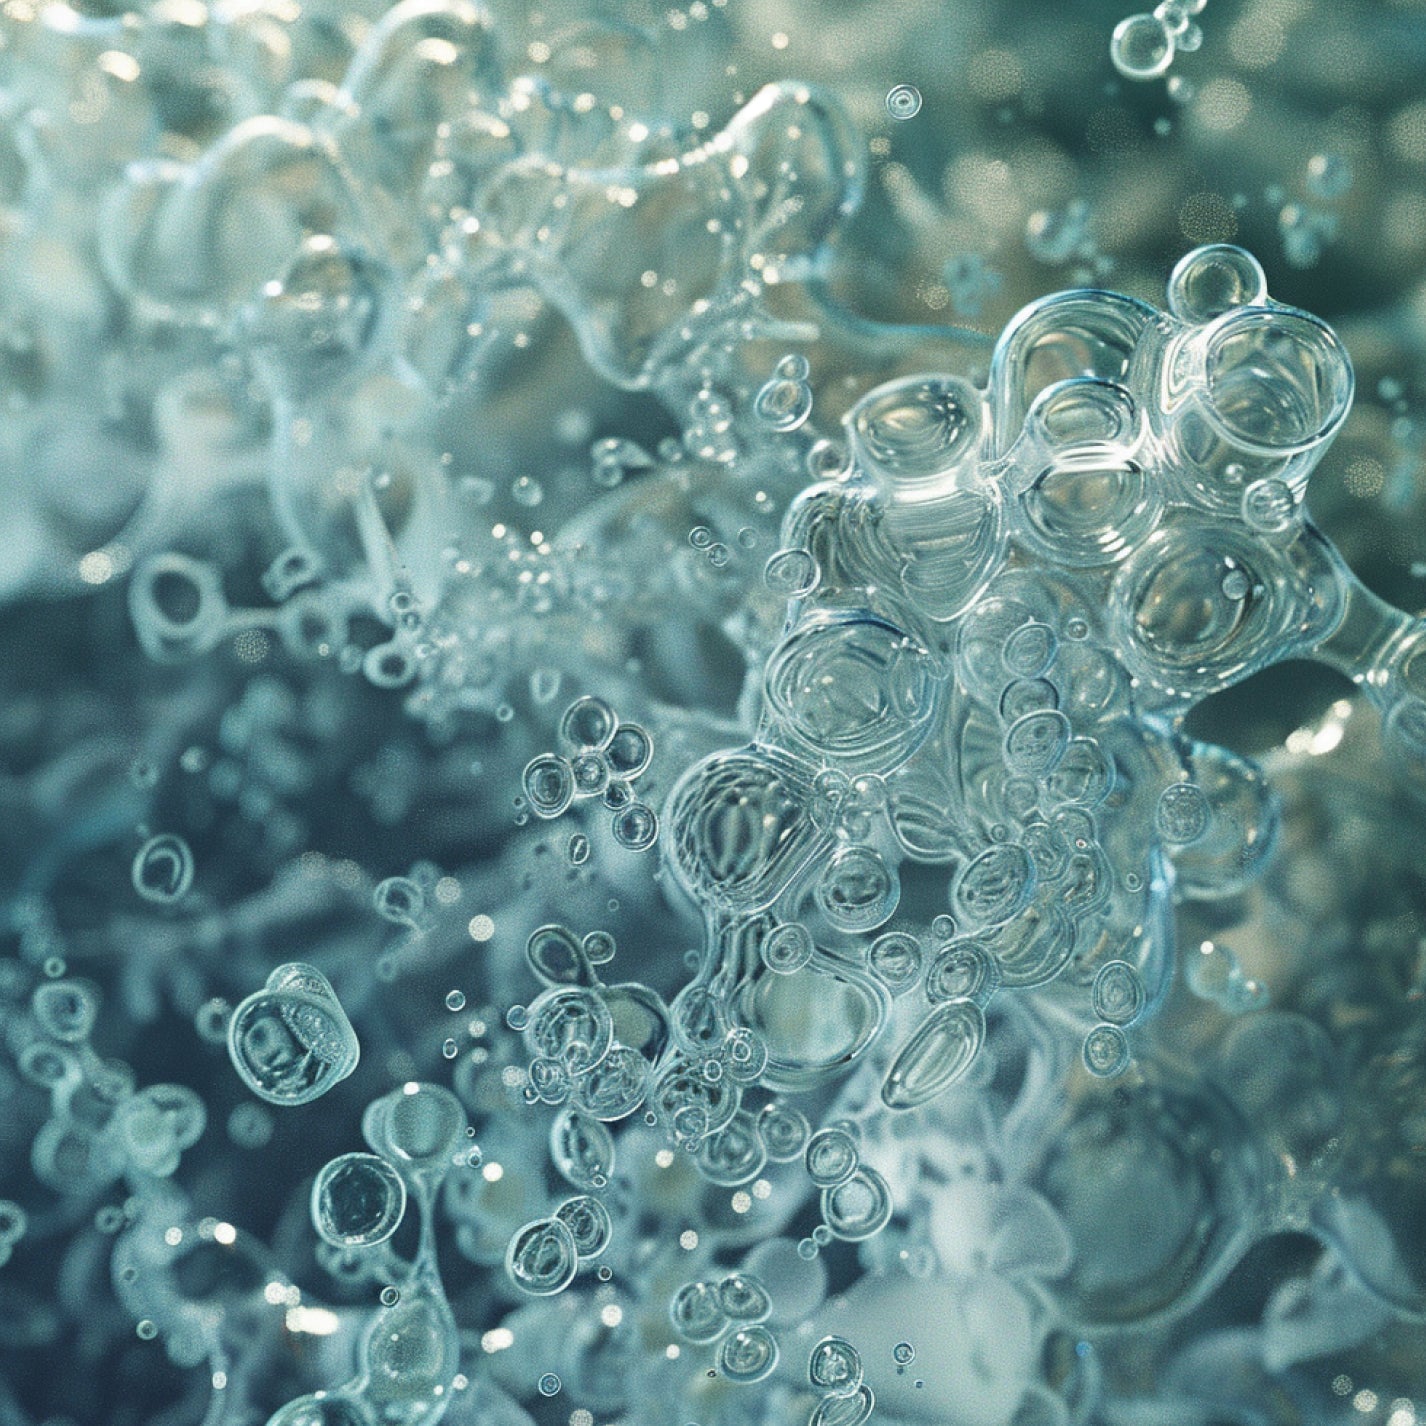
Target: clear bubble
x=548 y=1385
x=831 y=1157
x=291 y=1041
x=1182 y=814
x=783 y=404
x=696 y=1313
x=835 y=1366
x=589 y=1225
x=786 y=948
x=163 y=869
x=1106 y=1051
x=747 y=1355
x=895 y=958
x=636 y=827
x=1141 y=47
x=588 y=722
x=936 y=1054
x=541 y=1258
x=1118 y=993
x=859 y=1208
x=903 y=101
x=357 y=1201
x=548 y=783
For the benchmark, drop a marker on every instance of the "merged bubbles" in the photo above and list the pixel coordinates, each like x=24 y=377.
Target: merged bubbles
x=770 y=877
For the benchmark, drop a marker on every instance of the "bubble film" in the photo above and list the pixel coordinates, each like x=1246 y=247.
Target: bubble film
x=714 y=716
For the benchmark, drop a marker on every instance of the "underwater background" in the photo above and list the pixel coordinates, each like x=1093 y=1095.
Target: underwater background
x=712 y=716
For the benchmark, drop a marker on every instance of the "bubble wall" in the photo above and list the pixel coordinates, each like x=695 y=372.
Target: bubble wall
x=712 y=716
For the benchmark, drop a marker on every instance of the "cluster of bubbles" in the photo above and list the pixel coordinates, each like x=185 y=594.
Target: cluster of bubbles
x=601 y=758
x=1143 y=46
x=882 y=1087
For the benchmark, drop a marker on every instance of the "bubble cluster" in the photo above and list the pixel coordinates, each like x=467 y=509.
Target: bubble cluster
x=447 y=453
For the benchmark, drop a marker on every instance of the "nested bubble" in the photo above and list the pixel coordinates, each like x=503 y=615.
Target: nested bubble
x=965 y=970
x=589 y=1225
x=937 y=1053
x=835 y=1366
x=357 y=1201
x=1212 y=280
x=734 y=1154
x=791 y=573
x=1182 y=814
x=548 y=781
x=744 y=1055
x=1198 y=606
x=582 y=1149
x=858 y=1208
x=541 y=1258
x=66 y=1009
x=783 y=403
x=1033 y=947
x=895 y=959
x=590 y=771
x=291 y=1041
x=858 y=891
x=1118 y=995
x=616 y=1086
x=854 y=688
x=550 y=1081
x=588 y=722
x=748 y=1355
x=696 y=1313
x=903 y=101
x=1035 y=743
x=784 y=1132
x=691 y=1104
x=163 y=869
x=571 y=1025
x=995 y=885
x=831 y=1157
x=700 y=1020
x=786 y=948
x=1141 y=47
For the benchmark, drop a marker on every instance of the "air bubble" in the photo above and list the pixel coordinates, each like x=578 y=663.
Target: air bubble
x=903 y=101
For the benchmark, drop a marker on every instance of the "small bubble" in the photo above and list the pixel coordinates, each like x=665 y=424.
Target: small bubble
x=390 y=1296
x=903 y=101
x=903 y=1354
x=549 y=1385
x=455 y=1000
x=450 y=1049
x=146 y=1330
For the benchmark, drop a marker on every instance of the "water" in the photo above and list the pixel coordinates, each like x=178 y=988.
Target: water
x=492 y=501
